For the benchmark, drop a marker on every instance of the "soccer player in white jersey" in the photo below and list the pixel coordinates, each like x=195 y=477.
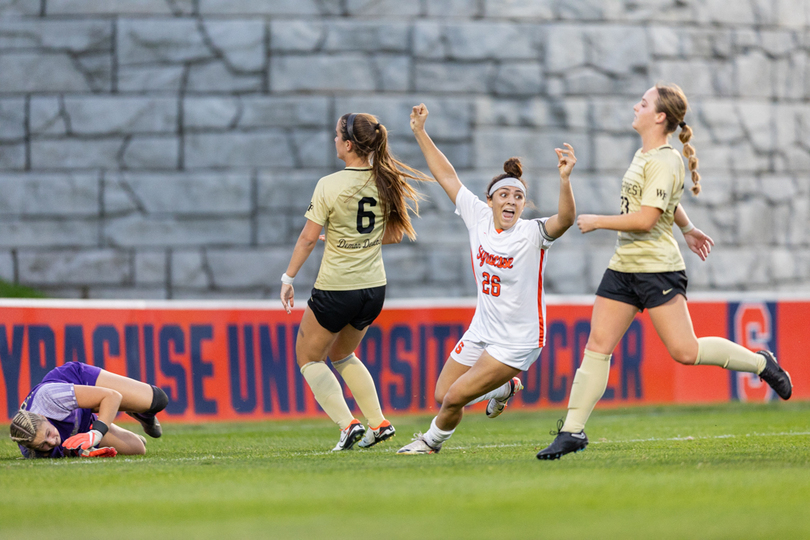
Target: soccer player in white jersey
x=648 y=271
x=362 y=207
x=509 y=256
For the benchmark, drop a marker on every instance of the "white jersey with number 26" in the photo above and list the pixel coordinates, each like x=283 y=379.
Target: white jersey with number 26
x=508 y=266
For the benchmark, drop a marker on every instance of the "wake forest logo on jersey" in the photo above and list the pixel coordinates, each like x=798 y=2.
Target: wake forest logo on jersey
x=493 y=260
x=661 y=193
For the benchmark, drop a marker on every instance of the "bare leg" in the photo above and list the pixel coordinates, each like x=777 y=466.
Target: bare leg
x=123 y=440
x=674 y=327
x=136 y=395
x=314 y=341
x=485 y=375
x=347 y=341
x=451 y=371
x=610 y=319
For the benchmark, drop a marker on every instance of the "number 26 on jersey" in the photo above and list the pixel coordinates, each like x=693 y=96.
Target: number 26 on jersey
x=491 y=284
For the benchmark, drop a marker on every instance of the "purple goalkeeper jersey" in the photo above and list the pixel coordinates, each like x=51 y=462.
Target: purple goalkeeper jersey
x=55 y=399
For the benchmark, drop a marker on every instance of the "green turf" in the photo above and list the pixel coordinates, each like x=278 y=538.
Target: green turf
x=729 y=471
x=11 y=290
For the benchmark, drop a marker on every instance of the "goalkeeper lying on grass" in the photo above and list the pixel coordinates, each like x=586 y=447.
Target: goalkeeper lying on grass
x=71 y=412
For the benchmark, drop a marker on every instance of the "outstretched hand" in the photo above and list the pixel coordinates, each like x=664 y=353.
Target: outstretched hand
x=566 y=160
x=418 y=117
x=699 y=242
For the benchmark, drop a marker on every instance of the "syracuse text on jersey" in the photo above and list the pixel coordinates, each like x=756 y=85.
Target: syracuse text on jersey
x=493 y=260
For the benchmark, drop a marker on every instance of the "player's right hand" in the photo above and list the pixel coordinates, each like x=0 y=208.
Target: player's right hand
x=83 y=441
x=418 y=117
x=287 y=297
x=105 y=451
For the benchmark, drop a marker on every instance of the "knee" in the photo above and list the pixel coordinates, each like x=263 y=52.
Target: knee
x=684 y=355
x=438 y=396
x=159 y=400
x=453 y=400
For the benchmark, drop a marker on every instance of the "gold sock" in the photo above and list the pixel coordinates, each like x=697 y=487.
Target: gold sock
x=359 y=381
x=328 y=392
x=590 y=382
x=717 y=351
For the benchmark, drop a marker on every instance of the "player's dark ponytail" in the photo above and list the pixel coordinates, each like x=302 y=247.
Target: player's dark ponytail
x=370 y=139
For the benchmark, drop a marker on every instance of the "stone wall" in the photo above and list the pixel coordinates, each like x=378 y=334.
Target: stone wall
x=168 y=148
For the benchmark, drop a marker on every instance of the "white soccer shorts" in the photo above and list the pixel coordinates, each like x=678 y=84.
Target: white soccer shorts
x=470 y=348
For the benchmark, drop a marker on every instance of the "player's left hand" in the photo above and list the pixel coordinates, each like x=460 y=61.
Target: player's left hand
x=83 y=441
x=699 y=242
x=566 y=160
x=104 y=451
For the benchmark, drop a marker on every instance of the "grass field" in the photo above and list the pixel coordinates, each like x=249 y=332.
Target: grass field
x=728 y=471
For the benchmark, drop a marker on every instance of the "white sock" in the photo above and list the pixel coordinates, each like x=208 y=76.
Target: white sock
x=588 y=387
x=359 y=381
x=435 y=436
x=717 y=351
x=501 y=392
x=328 y=393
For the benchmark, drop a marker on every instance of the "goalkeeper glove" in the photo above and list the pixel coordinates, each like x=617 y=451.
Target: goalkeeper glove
x=106 y=451
x=83 y=441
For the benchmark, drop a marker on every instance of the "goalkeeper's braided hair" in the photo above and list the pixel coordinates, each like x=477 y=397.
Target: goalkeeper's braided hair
x=24 y=427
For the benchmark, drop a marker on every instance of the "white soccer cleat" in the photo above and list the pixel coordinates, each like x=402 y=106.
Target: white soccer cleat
x=496 y=406
x=381 y=433
x=349 y=436
x=419 y=446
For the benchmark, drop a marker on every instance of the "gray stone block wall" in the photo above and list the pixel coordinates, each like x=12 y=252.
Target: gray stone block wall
x=169 y=148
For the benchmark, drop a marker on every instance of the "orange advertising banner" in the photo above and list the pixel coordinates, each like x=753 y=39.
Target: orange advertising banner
x=236 y=361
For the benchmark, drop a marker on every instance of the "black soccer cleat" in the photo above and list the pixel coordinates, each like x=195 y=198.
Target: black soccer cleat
x=775 y=376
x=149 y=423
x=564 y=443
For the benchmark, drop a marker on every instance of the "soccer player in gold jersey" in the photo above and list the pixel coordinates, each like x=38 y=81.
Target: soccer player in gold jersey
x=647 y=270
x=362 y=207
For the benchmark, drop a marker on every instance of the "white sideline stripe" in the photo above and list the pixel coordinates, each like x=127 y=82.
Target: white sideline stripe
x=390 y=449
x=658 y=439
x=275 y=305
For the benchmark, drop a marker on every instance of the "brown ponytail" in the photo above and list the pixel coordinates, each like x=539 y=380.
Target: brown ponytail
x=370 y=138
x=672 y=102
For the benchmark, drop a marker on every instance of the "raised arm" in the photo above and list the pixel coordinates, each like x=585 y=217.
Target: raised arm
x=566 y=207
x=440 y=167
x=699 y=242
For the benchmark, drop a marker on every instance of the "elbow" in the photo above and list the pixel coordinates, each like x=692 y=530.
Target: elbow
x=307 y=243
x=114 y=396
